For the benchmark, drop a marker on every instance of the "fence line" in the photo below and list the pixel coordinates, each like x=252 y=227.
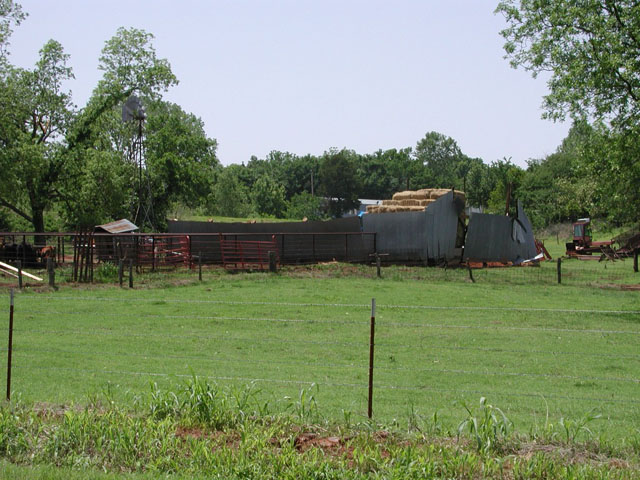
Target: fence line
x=218 y=361
x=350 y=305
x=195 y=334
x=343 y=344
x=199 y=317
x=349 y=385
x=345 y=322
x=211 y=377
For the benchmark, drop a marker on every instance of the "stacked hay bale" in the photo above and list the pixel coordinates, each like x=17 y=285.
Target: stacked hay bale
x=411 y=200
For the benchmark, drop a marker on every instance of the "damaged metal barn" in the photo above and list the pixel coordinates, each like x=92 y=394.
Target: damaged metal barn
x=435 y=235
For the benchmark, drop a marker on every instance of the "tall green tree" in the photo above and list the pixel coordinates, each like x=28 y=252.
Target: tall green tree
x=559 y=188
x=11 y=15
x=38 y=114
x=130 y=63
x=478 y=183
x=304 y=205
x=229 y=196
x=611 y=160
x=383 y=172
x=439 y=157
x=338 y=181
x=268 y=197
x=295 y=173
x=591 y=48
x=180 y=159
x=507 y=177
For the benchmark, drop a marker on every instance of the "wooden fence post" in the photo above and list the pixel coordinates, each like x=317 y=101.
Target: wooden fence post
x=559 y=270
x=273 y=265
x=52 y=273
x=470 y=273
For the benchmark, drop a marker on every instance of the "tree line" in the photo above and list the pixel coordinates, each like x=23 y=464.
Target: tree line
x=66 y=167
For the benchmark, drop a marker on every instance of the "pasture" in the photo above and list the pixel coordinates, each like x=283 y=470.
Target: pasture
x=552 y=357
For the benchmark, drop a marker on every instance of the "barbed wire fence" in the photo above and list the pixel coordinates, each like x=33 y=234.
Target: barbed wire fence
x=426 y=356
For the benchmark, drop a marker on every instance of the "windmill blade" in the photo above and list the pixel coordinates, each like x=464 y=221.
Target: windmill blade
x=133 y=109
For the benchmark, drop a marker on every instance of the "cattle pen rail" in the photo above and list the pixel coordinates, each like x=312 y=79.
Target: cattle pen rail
x=293 y=248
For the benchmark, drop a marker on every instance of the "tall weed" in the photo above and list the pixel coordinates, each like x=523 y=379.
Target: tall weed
x=489 y=427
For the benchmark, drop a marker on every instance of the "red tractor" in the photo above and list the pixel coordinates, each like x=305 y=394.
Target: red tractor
x=584 y=245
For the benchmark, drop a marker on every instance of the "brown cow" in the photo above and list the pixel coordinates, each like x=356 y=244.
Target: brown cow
x=47 y=252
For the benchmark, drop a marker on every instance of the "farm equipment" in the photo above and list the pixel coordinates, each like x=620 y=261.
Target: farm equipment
x=583 y=246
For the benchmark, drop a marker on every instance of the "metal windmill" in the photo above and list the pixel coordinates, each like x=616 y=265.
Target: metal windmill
x=133 y=113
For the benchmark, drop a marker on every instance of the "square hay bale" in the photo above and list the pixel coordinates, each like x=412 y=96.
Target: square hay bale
x=406 y=195
x=418 y=195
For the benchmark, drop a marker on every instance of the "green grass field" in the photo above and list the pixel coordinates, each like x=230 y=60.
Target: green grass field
x=541 y=352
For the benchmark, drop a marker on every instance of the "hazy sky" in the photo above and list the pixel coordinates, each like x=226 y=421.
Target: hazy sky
x=304 y=76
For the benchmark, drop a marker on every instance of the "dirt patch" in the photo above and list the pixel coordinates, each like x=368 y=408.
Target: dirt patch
x=575 y=454
x=616 y=286
x=196 y=433
x=305 y=441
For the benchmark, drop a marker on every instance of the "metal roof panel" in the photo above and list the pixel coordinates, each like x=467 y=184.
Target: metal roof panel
x=119 y=226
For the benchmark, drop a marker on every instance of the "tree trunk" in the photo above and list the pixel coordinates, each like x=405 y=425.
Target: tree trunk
x=38 y=225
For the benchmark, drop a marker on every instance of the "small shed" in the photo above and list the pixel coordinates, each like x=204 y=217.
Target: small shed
x=113 y=240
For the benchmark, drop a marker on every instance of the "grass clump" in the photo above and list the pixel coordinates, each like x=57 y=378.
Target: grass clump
x=489 y=426
x=205 y=404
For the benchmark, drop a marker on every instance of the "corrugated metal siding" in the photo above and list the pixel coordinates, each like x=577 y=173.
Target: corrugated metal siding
x=119 y=226
x=418 y=236
x=495 y=238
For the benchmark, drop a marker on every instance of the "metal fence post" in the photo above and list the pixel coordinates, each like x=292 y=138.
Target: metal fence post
x=120 y=271
x=200 y=266
x=130 y=273
x=371 y=347
x=635 y=260
x=9 y=350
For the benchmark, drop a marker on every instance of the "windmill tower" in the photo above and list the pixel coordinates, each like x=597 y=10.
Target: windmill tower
x=133 y=114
